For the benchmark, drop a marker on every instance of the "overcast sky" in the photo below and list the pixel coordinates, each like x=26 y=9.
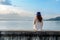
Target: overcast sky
x=48 y=8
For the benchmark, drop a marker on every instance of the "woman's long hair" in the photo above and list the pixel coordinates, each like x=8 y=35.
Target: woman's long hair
x=39 y=17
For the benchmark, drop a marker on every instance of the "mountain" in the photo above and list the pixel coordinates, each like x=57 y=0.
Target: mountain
x=54 y=19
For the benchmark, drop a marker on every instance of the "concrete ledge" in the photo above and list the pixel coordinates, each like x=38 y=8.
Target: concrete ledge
x=29 y=35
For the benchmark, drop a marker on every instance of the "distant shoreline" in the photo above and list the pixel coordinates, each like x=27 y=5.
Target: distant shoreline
x=53 y=19
x=23 y=20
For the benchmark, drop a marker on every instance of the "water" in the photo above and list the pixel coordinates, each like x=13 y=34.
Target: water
x=28 y=25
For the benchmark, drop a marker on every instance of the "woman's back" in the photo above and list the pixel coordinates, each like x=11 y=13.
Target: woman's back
x=38 y=25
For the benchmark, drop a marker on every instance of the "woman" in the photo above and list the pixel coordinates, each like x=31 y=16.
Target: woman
x=38 y=22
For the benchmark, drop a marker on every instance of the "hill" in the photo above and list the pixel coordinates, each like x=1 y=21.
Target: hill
x=54 y=19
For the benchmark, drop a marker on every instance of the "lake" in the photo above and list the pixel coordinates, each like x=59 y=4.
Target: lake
x=28 y=25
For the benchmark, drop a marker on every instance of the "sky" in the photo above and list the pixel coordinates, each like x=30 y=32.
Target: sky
x=48 y=8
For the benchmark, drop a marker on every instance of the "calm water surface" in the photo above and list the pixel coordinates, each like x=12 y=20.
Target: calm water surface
x=28 y=25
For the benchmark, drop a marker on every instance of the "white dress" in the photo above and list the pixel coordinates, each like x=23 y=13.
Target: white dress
x=38 y=26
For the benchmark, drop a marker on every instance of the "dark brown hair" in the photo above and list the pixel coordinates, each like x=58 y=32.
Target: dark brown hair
x=39 y=17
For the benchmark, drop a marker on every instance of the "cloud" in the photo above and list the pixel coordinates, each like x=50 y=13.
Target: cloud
x=5 y=9
x=57 y=0
x=5 y=2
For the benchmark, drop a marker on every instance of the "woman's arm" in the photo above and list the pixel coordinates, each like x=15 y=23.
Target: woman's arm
x=35 y=20
x=42 y=22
